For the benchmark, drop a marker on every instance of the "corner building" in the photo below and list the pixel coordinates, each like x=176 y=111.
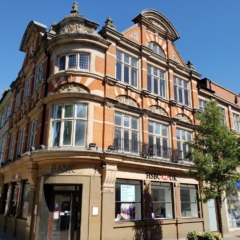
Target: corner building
x=95 y=141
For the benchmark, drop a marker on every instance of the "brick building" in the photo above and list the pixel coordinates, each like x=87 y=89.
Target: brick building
x=95 y=140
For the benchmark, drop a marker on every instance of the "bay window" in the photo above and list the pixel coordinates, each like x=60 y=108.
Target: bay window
x=127 y=200
x=73 y=61
x=162 y=203
x=126 y=69
x=158 y=139
x=69 y=125
x=181 y=91
x=156 y=82
x=183 y=136
x=189 y=203
x=126 y=133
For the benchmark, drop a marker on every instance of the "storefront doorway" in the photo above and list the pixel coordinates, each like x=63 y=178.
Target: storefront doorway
x=65 y=212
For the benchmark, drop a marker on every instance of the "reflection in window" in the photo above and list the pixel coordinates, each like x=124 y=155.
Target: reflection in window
x=69 y=125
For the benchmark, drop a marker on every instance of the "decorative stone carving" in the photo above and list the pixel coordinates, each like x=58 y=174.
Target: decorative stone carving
x=157 y=24
x=157 y=110
x=109 y=104
x=74 y=7
x=109 y=178
x=72 y=88
x=32 y=176
x=183 y=118
x=127 y=100
x=75 y=27
x=1 y=183
x=134 y=35
x=109 y=23
x=175 y=57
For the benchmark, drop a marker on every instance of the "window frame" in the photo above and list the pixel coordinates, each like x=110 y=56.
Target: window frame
x=156 y=48
x=236 y=121
x=38 y=75
x=131 y=65
x=21 y=136
x=11 y=148
x=74 y=120
x=137 y=200
x=3 y=148
x=202 y=104
x=33 y=133
x=78 y=60
x=182 y=151
x=181 y=98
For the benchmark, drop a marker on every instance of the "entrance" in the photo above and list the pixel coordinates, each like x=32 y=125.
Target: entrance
x=65 y=215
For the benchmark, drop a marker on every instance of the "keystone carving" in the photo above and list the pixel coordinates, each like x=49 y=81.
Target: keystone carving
x=127 y=100
x=157 y=110
x=108 y=178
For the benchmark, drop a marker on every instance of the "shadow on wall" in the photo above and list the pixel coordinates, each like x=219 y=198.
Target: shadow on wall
x=150 y=229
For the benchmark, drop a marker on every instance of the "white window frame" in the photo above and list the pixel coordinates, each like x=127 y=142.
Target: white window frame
x=181 y=85
x=20 y=141
x=59 y=123
x=156 y=48
x=82 y=61
x=129 y=144
x=38 y=75
x=236 y=122
x=155 y=75
x=33 y=133
x=181 y=146
x=124 y=62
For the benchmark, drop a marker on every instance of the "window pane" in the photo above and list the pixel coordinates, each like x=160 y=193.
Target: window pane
x=126 y=140
x=134 y=77
x=158 y=147
x=179 y=82
x=56 y=134
x=175 y=93
x=68 y=111
x=162 y=88
x=155 y=85
x=185 y=85
x=149 y=83
x=25 y=200
x=119 y=71
x=126 y=58
x=184 y=135
x=118 y=138
x=157 y=129
x=119 y=56
x=57 y=113
x=134 y=123
x=178 y=134
x=149 y=69
x=80 y=133
x=81 y=111
x=67 y=133
x=186 y=97
x=150 y=127
x=134 y=142
x=61 y=63
x=164 y=130
x=83 y=62
x=134 y=62
x=72 y=61
x=126 y=74
x=180 y=99
x=126 y=121
x=118 y=119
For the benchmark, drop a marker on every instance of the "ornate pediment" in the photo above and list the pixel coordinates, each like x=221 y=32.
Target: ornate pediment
x=158 y=110
x=72 y=88
x=76 y=27
x=183 y=117
x=157 y=24
x=127 y=100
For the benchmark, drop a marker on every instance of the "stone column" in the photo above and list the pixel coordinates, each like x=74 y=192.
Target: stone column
x=108 y=200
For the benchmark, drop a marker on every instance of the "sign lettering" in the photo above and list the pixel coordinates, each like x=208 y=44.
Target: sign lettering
x=159 y=176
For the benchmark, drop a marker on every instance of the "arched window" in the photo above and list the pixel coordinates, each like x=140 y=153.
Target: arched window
x=156 y=48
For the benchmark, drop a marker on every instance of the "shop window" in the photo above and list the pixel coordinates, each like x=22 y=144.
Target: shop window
x=33 y=133
x=25 y=200
x=189 y=202
x=156 y=82
x=126 y=69
x=181 y=91
x=14 y=199
x=38 y=76
x=162 y=204
x=74 y=61
x=127 y=200
x=183 y=136
x=69 y=125
x=156 y=48
x=236 y=122
x=126 y=133
x=158 y=139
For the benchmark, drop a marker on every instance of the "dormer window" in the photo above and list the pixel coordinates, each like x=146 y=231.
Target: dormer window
x=73 y=61
x=156 y=48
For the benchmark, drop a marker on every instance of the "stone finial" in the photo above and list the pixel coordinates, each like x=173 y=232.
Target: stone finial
x=109 y=23
x=75 y=8
x=190 y=65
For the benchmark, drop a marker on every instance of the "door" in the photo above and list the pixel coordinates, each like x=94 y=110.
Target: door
x=65 y=216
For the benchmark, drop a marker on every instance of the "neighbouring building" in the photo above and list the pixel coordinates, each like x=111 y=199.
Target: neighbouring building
x=94 y=143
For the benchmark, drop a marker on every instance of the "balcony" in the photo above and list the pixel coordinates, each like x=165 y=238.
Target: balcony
x=145 y=150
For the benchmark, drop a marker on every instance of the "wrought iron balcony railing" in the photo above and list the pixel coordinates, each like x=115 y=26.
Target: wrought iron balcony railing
x=146 y=150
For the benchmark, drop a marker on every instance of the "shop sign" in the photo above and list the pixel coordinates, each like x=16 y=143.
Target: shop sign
x=17 y=176
x=62 y=168
x=159 y=176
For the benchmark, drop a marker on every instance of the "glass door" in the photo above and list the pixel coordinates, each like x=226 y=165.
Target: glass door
x=65 y=215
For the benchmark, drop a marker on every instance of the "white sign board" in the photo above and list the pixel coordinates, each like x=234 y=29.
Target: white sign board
x=127 y=193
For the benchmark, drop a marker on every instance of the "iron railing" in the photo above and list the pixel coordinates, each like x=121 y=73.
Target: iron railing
x=146 y=150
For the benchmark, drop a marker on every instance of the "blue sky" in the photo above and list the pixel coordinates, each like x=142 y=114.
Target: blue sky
x=209 y=30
